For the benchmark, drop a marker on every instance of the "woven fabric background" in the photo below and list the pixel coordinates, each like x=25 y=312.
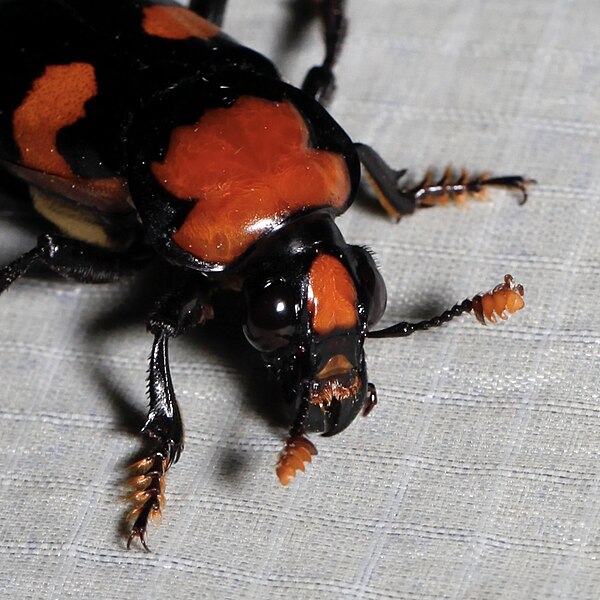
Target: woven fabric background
x=477 y=476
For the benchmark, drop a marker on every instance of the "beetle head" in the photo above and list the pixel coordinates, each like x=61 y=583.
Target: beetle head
x=308 y=316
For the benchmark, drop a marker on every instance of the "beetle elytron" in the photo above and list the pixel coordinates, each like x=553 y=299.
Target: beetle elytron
x=141 y=129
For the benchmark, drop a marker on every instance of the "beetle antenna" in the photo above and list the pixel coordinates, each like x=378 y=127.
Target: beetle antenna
x=505 y=298
x=298 y=449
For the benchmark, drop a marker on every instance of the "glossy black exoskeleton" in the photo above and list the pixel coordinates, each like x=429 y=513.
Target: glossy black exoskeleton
x=141 y=129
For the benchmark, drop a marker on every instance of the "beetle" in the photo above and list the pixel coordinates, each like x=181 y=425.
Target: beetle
x=141 y=130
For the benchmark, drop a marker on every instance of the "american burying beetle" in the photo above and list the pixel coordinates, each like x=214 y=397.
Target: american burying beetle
x=141 y=130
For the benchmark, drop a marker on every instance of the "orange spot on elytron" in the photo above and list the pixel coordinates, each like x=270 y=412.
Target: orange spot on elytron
x=176 y=23
x=249 y=168
x=56 y=99
x=331 y=296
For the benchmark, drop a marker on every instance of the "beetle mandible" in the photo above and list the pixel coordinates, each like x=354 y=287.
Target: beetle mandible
x=140 y=129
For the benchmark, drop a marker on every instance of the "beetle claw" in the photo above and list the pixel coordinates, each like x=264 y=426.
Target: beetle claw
x=138 y=532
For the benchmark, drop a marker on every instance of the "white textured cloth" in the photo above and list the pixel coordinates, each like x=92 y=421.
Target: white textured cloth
x=477 y=475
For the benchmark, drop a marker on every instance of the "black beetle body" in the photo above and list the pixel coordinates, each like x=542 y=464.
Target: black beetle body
x=141 y=129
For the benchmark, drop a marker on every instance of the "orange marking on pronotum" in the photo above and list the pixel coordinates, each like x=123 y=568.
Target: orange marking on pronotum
x=56 y=99
x=331 y=296
x=176 y=23
x=248 y=167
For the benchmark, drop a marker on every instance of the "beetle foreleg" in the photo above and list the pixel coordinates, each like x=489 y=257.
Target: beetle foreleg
x=320 y=80
x=399 y=201
x=181 y=310
x=74 y=260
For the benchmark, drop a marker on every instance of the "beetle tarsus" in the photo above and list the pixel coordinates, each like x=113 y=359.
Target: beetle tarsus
x=148 y=495
x=457 y=187
x=320 y=80
x=399 y=201
x=319 y=83
x=512 y=182
x=137 y=532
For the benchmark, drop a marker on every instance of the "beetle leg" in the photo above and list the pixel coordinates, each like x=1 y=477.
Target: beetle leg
x=213 y=10
x=399 y=201
x=320 y=80
x=75 y=260
x=182 y=309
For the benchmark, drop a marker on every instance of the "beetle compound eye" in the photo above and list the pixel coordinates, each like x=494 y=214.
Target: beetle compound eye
x=371 y=282
x=270 y=315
